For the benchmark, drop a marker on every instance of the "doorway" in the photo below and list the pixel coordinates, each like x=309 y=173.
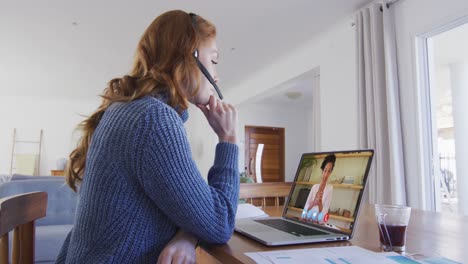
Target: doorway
x=444 y=70
x=271 y=153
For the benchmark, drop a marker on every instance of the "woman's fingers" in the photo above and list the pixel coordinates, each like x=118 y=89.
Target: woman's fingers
x=226 y=107
x=213 y=102
x=222 y=117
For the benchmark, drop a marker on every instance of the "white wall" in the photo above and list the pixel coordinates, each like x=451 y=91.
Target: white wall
x=334 y=52
x=202 y=140
x=58 y=117
x=414 y=18
x=459 y=84
x=293 y=119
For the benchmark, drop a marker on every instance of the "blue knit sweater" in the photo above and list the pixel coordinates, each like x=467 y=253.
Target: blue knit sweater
x=141 y=185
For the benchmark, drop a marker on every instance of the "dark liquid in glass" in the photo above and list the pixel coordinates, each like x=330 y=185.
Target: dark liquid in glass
x=397 y=235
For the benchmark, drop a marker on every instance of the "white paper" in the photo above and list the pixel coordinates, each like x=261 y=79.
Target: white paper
x=330 y=255
x=439 y=260
x=248 y=210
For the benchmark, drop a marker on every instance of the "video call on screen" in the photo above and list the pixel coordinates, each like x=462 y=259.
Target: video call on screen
x=328 y=187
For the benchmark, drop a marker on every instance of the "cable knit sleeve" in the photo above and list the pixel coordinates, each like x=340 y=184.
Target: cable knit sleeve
x=170 y=177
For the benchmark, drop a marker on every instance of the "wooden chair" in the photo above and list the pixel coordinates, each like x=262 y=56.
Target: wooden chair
x=265 y=190
x=19 y=212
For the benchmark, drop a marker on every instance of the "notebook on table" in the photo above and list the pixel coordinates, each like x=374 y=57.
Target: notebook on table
x=331 y=206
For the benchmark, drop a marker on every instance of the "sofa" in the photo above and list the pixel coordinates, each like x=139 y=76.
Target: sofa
x=51 y=230
x=20 y=177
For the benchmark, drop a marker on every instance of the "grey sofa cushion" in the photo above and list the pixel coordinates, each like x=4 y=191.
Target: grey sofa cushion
x=49 y=241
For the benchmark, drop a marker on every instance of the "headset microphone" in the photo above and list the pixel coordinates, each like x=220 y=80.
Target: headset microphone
x=207 y=74
x=200 y=65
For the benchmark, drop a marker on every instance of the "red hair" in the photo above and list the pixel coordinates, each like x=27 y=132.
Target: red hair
x=164 y=64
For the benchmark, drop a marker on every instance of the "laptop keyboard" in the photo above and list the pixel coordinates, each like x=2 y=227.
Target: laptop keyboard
x=290 y=228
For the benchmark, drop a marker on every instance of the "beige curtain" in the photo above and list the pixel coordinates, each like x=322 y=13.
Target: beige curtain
x=379 y=105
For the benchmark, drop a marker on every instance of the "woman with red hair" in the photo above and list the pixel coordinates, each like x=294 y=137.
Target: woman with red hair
x=141 y=196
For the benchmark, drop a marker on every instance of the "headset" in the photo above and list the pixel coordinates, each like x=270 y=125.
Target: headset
x=200 y=65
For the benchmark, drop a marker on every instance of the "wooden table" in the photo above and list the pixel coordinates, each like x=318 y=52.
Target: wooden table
x=429 y=234
x=57 y=172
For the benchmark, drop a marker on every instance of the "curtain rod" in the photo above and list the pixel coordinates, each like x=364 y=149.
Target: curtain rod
x=388 y=5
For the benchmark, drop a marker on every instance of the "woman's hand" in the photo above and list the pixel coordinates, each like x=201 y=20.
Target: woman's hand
x=181 y=249
x=222 y=117
x=320 y=205
x=318 y=201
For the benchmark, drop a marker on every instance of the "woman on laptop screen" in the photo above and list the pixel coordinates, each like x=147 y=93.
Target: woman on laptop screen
x=319 y=199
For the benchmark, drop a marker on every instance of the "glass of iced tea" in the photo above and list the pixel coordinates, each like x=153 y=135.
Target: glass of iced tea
x=392 y=221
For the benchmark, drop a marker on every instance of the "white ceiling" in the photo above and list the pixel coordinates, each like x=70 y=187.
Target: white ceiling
x=301 y=85
x=43 y=53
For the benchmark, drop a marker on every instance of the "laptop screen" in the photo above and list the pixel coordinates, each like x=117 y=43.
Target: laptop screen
x=328 y=188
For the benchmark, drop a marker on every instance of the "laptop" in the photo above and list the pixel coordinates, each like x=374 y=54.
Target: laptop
x=323 y=204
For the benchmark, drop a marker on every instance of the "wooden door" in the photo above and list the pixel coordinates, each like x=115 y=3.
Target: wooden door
x=272 y=165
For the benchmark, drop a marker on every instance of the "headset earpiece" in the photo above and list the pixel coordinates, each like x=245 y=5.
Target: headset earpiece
x=200 y=65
